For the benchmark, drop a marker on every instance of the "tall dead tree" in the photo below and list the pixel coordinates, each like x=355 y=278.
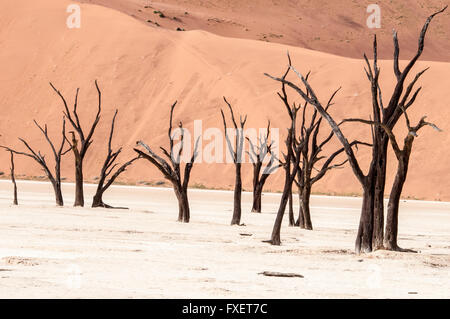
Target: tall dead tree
x=107 y=177
x=370 y=233
x=171 y=168
x=403 y=156
x=389 y=116
x=258 y=153
x=366 y=181
x=80 y=145
x=291 y=162
x=13 y=179
x=55 y=178
x=236 y=153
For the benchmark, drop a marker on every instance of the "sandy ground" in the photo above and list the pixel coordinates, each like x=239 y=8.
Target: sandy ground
x=143 y=252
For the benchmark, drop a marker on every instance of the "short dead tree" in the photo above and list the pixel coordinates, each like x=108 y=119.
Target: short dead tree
x=171 y=168
x=236 y=154
x=314 y=163
x=107 y=177
x=79 y=151
x=58 y=153
x=258 y=154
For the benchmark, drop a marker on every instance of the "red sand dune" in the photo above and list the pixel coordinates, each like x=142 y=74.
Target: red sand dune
x=337 y=27
x=142 y=70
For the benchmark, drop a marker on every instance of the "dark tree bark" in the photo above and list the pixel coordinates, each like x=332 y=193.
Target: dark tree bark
x=105 y=181
x=171 y=168
x=301 y=217
x=258 y=154
x=310 y=150
x=54 y=178
x=291 y=161
x=370 y=232
x=236 y=154
x=81 y=145
x=403 y=156
x=257 y=199
x=291 y=210
x=311 y=155
x=390 y=117
x=13 y=179
x=305 y=210
x=300 y=186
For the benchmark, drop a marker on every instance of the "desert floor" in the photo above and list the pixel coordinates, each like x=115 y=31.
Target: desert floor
x=144 y=253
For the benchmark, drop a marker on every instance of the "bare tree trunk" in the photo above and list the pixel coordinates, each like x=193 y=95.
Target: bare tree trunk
x=393 y=206
x=378 y=211
x=257 y=195
x=58 y=193
x=291 y=210
x=79 y=196
x=390 y=240
x=13 y=179
x=307 y=224
x=276 y=238
x=236 y=220
x=300 y=220
x=97 y=201
x=364 y=237
x=183 y=204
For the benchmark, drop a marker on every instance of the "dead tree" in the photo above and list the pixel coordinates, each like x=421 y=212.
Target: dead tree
x=236 y=154
x=55 y=178
x=171 y=169
x=389 y=116
x=84 y=141
x=370 y=233
x=13 y=179
x=312 y=155
x=403 y=156
x=107 y=177
x=258 y=154
x=290 y=164
x=365 y=181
